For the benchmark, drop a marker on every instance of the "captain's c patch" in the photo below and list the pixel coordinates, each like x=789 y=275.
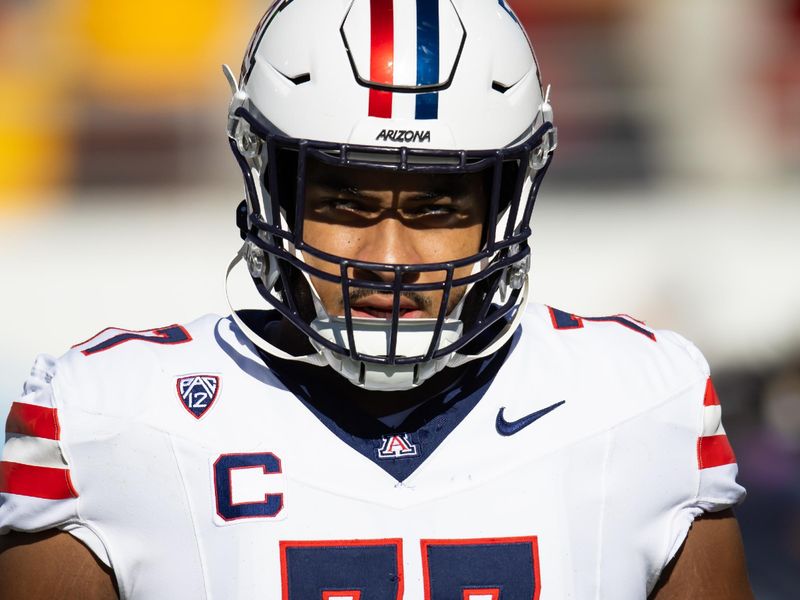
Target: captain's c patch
x=198 y=393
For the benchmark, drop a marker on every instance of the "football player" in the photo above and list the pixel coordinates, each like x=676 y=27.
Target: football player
x=392 y=421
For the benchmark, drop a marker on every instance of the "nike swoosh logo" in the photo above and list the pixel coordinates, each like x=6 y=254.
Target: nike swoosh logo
x=507 y=428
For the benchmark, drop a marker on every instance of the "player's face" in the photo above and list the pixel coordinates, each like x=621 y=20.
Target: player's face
x=391 y=218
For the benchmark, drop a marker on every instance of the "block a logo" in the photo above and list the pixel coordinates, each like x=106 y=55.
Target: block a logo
x=397 y=446
x=198 y=393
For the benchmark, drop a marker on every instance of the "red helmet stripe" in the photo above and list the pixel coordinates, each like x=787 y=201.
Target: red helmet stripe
x=381 y=56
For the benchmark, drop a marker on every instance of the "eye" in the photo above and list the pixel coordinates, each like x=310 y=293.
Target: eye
x=336 y=209
x=343 y=204
x=437 y=206
x=433 y=210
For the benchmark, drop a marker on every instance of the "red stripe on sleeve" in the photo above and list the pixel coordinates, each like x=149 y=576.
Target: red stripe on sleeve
x=37 y=421
x=711 y=398
x=37 y=482
x=714 y=451
x=381 y=56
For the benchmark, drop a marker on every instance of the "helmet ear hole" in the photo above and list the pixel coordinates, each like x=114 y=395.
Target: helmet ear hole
x=241 y=219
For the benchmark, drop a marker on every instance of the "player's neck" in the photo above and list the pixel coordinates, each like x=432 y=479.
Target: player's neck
x=379 y=404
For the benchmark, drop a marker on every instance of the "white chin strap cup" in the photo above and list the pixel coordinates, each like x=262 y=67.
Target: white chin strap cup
x=372 y=337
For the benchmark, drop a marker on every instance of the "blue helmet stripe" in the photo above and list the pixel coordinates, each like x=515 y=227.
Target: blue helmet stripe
x=427 y=57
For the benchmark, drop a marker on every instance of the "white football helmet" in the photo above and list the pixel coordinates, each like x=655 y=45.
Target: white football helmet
x=438 y=86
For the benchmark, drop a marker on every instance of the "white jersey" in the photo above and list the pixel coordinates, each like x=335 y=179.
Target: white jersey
x=573 y=470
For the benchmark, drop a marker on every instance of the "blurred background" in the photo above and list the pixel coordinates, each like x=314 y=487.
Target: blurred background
x=674 y=196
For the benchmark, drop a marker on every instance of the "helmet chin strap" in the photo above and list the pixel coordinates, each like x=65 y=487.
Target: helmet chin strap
x=373 y=333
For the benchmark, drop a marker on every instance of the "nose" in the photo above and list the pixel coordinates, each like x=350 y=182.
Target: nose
x=388 y=242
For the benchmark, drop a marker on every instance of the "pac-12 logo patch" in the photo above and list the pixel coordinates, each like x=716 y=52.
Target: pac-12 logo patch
x=396 y=446
x=198 y=392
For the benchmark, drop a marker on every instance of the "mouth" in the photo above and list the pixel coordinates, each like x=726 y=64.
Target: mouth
x=376 y=307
